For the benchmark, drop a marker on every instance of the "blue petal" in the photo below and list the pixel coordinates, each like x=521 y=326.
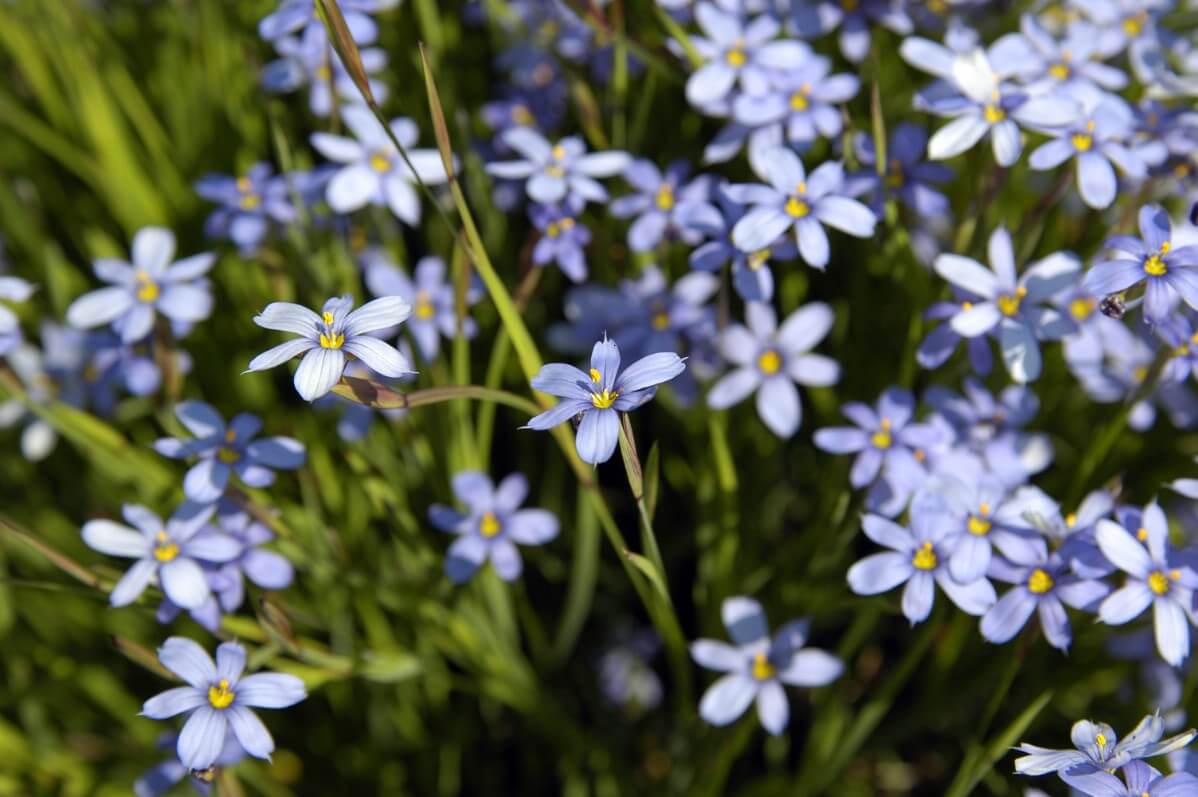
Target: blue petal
x=598 y=435
x=202 y=738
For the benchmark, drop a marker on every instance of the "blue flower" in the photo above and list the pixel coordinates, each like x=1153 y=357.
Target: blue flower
x=248 y=205
x=218 y=699
x=1011 y=303
x=794 y=203
x=626 y=678
x=1065 y=66
x=223 y=450
x=1157 y=577
x=1168 y=272
x=434 y=301
x=294 y=16
x=770 y=359
x=1099 y=749
x=734 y=51
x=817 y=17
x=751 y=274
x=310 y=60
x=801 y=101
x=907 y=175
x=664 y=203
x=12 y=289
x=600 y=396
x=326 y=339
x=491 y=526
x=372 y=172
x=1095 y=141
x=151 y=284
x=757 y=666
x=918 y=557
x=169 y=553
x=563 y=238
x=160 y=779
x=557 y=171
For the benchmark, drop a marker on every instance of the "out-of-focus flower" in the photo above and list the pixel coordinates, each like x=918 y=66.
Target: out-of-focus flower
x=1043 y=585
x=734 y=51
x=218 y=699
x=248 y=205
x=563 y=237
x=223 y=450
x=818 y=17
x=434 y=303
x=372 y=170
x=12 y=289
x=557 y=171
x=795 y=203
x=310 y=60
x=162 y=778
x=600 y=396
x=169 y=553
x=800 y=101
x=1011 y=303
x=1168 y=272
x=151 y=284
x=327 y=338
x=885 y=435
x=1068 y=66
x=907 y=175
x=770 y=359
x=757 y=666
x=491 y=526
x=663 y=203
x=294 y=16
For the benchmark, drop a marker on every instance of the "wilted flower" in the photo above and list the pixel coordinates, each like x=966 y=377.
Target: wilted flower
x=152 y=283
x=218 y=699
x=770 y=359
x=757 y=666
x=491 y=526
x=600 y=396
x=327 y=338
x=169 y=553
x=223 y=450
x=372 y=170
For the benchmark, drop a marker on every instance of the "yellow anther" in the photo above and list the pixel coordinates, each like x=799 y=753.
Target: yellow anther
x=984 y=508
x=424 y=307
x=925 y=557
x=994 y=114
x=1155 y=266
x=522 y=116
x=797 y=208
x=323 y=73
x=230 y=435
x=978 y=526
x=1039 y=582
x=1158 y=582
x=327 y=317
x=762 y=669
x=758 y=259
x=919 y=455
x=244 y=184
x=1174 y=575
x=1082 y=142
x=966 y=305
x=736 y=57
x=489 y=526
x=1133 y=25
x=553 y=230
x=1081 y=309
x=380 y=163
x=559 y=152
x=567 y=223
x=1165 y=248
x=799 y=101
x=602 y=401
x=220 y=695
x=227 y=455
x=1071 y=519
x=334 y=341
x=1059 y=70
x=147 y=289
x=1008 y=303
x=596 y=377
x=770 y=362
x=661 y=321
x=164 y=549
x=1100 y=740
x=665 y=197
x=882 y=438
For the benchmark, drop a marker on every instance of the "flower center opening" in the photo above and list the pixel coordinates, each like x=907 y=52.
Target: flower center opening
x=661 y=321
x=424 y=307
x=1132 y=26
x=762 y=669
x=925 y=557
x=489 y=526
x=1081 y=309
x=602 y=401
x=1155 y=266
x=1039 y=582
x=522 y=116
x=220 y=695
x=147 y=289
x=1008 y=303
x=770 y=362
x=380 y=163
x=736 y=56
x=330 y=339
x=228 y=455
x=1082 y=141
x=797 y=208
x=979 y=524
x=1059 y=70
x=665 y=197
x=882 y=438
x=164 y=549
x=798 y=99
x=894 y=174
x=994 y=114
x=1158 y=582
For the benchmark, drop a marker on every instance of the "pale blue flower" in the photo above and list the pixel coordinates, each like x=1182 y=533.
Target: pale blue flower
x=249 y=205
x=295 y=16
x=736 y=52
x=434 y=300
x=554 y=172
x=310 y=60
x=12 y=289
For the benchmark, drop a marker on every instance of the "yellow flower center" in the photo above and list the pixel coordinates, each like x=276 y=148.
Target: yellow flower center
x=1158 y=582
x=1039 y=582
x=1081 y=309
x=1133 y=25
x=1059 y=70
x=894 y=174
x=665 y=197
x=661 y=321
x=489 y=526
x=1142 y=534
x=147 y=289
x=925 y=557
x=1008 y=304
x=797 y=208
x=227 y=455
x=558 y=152
x=380 y=163
x=979 y=524
x=164 y=549
x=881 y=438
x=736 y=56
x=220 y=695
x=1154 y=266
x=522 y=116
x=994 y=114
x=424 y=307
x=762 y=669
x=770 y=362
x=798 y=99
x=1071 y=519
x=332 y=340
x=1082 y=141
x=553 y=230
x=553 y=170
x=603 y=400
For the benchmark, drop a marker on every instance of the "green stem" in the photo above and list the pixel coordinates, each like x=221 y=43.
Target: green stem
x=636 y=482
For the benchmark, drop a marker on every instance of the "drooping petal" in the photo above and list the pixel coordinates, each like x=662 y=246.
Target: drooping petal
x=598 y=435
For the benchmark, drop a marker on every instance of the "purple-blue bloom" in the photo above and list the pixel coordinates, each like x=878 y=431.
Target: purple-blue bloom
x=249 y=205
x=736 y=52
x=152 y=284
x=663 y=203
x=885 y=435
x=757 y=666
x=802 y=101
x=218 y=698
x=224 y=450
x=817 y=17
x=600 y=396
x=563 y=238
x=491 y=526
x=310 y=60
x=294 y=16
x=769 y=359
x=326 y=339
x=556 y=171
x=434 y=300
x=907 y=175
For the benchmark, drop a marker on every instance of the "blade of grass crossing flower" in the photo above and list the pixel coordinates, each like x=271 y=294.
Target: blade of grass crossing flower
x=346 y=47
x=879 y=130
x=678 y=32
